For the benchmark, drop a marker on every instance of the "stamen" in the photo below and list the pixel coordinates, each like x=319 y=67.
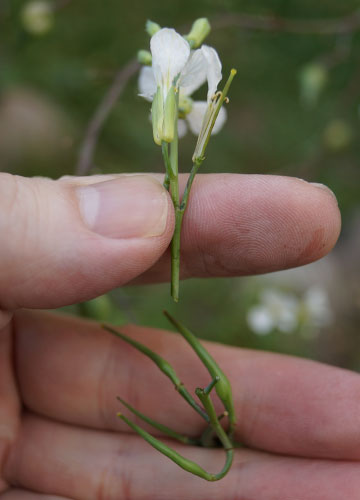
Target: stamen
x=216 y=96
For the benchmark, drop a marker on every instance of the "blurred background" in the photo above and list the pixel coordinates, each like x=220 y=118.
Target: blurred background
x=295 y=110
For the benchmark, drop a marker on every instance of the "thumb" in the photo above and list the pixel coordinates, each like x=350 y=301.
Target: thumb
x=65 y=242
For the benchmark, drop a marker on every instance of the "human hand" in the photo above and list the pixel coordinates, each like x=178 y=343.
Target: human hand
x=59 y=376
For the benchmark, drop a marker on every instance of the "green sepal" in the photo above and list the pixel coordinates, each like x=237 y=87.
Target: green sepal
x=170 y=116
x=157 y=116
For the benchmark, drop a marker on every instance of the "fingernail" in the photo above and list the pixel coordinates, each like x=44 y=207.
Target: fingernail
x=126 y=207
x=324 y=188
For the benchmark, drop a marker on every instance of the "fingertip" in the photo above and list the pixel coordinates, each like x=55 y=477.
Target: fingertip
x=322 y=222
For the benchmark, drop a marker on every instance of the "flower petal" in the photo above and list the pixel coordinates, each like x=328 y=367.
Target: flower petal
x=196 y=116
x=147 y=83
x=182 y=128
x=170 y=52
x=214 y=74
x=260 y=320
x=194 y=73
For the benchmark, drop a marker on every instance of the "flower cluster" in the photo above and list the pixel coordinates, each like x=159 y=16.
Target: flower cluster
x=287 y=312
x=176 y=72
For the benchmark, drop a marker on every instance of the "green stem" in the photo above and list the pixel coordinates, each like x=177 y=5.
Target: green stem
x=174 y=190
x=189 y=183
x=223 y=387
x=215 y=424
x=207 y=437
x=165 y=153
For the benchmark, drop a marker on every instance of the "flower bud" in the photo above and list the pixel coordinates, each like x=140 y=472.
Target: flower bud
x=185 y=105
x=144 y=57
x=313 y=78
x=37 y=17
x=151 y=27
x=338 y=134
x=199 y=31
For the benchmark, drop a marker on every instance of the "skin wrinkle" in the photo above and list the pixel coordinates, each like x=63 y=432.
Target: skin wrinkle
x=129 y=381
x=109 y=484
x=102 y=388
x=16 y=494
x=9 y=395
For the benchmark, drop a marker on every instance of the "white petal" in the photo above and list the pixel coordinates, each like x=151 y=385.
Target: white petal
x=147 y=84
x=196 y=115
x=182 y=128
x=170 y=52
x=260 y=320
x=287 y=322
x=220 y=120
x=318 y=309
x=194 y=73
x=214 y=74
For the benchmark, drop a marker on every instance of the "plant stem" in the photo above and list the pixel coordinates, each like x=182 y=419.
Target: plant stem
x=165 y=153
x=215 y=424
x=174 y=191
x=191 y=178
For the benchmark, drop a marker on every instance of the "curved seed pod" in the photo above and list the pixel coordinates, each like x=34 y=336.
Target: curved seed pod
x=164 y=366
x=223 y=386
x=181 y=461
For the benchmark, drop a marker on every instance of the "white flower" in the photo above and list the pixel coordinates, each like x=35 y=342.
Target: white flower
x=277 y=310
x=317 y=307
x=286 y=312
x=170 y=52
x=175 y=66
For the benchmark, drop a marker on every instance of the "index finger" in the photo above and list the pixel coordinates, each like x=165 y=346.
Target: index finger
x=239 y=225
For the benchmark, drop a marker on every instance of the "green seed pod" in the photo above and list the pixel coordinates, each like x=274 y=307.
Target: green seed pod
x=223 y=386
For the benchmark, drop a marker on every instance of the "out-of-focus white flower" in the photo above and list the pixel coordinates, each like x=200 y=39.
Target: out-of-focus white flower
x=286 y=312
x=37 y=17
x=277 y=310
x=316 y=307
x=175 y=67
